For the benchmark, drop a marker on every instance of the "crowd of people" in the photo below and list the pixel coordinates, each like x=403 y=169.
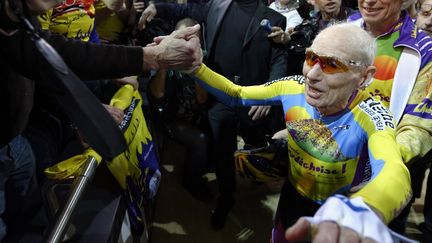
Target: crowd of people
x=346 y=83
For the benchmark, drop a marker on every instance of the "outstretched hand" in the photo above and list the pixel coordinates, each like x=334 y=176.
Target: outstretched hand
x=147 y=15
x=327 y=231
x=181 y=50
x=342 y=219
x=258 y=112
x=279 y=35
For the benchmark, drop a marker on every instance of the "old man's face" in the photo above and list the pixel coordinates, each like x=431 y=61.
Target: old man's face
x=332 y=72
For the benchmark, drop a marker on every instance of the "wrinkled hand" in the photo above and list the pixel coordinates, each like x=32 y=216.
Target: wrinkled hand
x=127 y=80
x=282 y=134
x=341 y=219
x=115 y=113
x=180 y=50
x=147 y=16
x=258 y=112
x=279 y=35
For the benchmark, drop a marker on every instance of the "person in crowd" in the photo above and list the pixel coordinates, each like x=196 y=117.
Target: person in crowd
x=116 y=25
x=250 y=58
x=424 y=17
x=288 y=8
x=341 y=142
x=181 y=105
x=424 y=22
x=49 y=130
x=402 y=82
x=327 y=12
x=21 y=68
x=331 y=11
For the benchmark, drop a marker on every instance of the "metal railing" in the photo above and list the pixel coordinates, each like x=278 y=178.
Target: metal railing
x=58 y=229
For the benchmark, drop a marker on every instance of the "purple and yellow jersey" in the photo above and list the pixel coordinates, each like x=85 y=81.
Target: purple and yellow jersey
x=386 y=61
x=354 y=150
x=73 y=19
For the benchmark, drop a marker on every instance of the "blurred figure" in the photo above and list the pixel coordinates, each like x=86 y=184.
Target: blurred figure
x=424 y=22
x=250 y=58
x=424 y=17
x=23 y=68
x=331 y=11
x=180 y=105
x=288 y=8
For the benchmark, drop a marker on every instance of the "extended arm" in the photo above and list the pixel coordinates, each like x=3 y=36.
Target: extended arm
x=236 y=95
x=389 y=189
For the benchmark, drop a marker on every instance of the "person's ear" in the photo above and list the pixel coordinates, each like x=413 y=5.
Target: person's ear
x=367 y=77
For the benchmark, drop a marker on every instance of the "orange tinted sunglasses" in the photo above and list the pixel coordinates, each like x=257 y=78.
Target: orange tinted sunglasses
x=328 y=64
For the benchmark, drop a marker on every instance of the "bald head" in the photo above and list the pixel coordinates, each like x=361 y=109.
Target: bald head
x=348 y=41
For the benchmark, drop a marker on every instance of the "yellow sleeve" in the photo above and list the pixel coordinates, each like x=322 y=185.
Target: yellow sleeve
x=389 y=190
x=236 y=95
x=414 y=132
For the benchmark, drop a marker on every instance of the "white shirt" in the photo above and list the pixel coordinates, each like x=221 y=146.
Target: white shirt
x=292 y=16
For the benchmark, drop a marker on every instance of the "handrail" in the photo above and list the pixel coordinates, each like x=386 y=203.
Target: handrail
x=78 y=187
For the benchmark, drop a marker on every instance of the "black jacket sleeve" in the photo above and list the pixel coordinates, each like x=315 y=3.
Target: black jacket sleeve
x=86 y=60
x=176 y=12
x=279 y=55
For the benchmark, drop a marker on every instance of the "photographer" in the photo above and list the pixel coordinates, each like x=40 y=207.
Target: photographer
x=22 y=67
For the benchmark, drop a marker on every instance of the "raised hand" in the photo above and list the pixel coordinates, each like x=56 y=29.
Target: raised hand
x=147 y=16
x=180 y=50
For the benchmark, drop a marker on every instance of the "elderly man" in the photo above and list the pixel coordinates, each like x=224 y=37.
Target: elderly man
x=424 y=17
x=402 y=82
x=340 y=141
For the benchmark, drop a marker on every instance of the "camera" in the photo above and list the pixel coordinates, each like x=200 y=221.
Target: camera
x=303 y=35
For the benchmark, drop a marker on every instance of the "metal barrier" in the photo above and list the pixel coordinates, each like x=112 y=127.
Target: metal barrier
x=57 y=231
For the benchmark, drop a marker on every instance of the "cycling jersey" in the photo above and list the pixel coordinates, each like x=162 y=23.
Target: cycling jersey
x=72 y=19
x=352 y=152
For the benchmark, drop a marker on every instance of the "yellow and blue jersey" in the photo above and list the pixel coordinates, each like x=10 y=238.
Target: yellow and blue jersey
x=352 y=152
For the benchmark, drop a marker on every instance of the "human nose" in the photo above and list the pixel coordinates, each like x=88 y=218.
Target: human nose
x=314 y=72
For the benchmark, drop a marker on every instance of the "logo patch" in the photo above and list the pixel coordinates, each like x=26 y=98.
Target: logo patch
x=378 y=113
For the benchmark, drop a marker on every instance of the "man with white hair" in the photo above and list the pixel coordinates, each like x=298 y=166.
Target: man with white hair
x=345 y=164
x=402 y=81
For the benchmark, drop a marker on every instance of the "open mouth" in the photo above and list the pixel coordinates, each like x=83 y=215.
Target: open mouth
x=313 y=92
x=330 y=6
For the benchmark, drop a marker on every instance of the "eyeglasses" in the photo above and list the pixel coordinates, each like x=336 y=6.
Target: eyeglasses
x=329 y=64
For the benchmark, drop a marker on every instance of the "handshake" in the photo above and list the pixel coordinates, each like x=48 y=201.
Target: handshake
x=181 y=50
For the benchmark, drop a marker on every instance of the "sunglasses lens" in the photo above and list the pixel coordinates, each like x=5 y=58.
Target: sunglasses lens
x=328 y=64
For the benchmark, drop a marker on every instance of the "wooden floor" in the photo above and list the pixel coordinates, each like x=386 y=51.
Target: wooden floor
x=179 y=218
